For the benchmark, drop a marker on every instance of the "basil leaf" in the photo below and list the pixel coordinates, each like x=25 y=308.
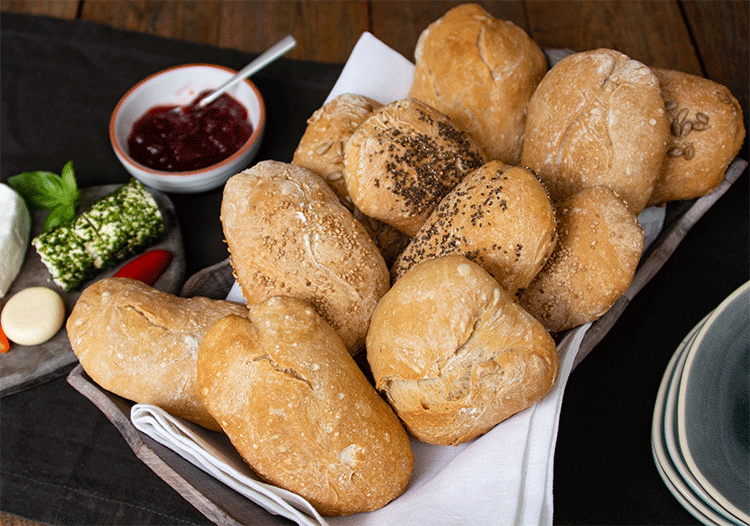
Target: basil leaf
x=58 y=216
x=69 y=184
x=41 y=190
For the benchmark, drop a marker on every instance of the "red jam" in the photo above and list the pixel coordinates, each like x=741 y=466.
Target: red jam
x=189 y=138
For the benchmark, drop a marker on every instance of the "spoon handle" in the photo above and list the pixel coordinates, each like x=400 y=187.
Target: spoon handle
x=265 y=58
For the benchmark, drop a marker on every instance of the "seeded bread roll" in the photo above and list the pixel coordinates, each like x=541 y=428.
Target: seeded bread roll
x=141 y=343
x=593 y=263
x=321 y=150
x=454 y=354
x=597 y=118
x=707 y=132
x=481 y=72
x=499 y=217
x=300 y=411
x=403 y=159
x=288 y=234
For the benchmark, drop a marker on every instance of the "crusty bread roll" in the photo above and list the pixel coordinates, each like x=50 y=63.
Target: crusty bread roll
x=300 y=411
x=499 y=216
x=141 y=343
x=593 y=263
x=454 y=354
x=481 y=72
x=597 y=118
x=707 y=132
x=288 y=234
x=321 y=150
x=403 y=159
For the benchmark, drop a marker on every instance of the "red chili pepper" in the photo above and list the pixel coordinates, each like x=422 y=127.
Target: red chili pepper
x=147 y=267
x=4 y=343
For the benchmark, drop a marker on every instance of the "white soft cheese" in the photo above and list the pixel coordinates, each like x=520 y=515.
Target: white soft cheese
x=33 y=316
x=15 y=226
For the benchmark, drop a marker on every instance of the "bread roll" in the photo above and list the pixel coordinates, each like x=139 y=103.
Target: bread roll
x=593 y=263
x=707 y=132
x=288 y=234
x=481 y=72
x=454 y=354
x=300 y=411
x=403 y=159
x=499 y=217
x=321 y=150
x=141 y=343
x=597 y=118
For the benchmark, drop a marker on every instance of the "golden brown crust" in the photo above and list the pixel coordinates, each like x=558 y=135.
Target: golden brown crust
x=454 y=354
x=499 y=217
x=593 y=264
x=707 y=132
x=141 y=343
x=288 y=234
x=597 y=118
x=486 y=80
x=403 y=159
x=321 y=150
x=300 y=411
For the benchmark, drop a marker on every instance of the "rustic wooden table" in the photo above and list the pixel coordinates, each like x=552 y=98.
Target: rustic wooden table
x=708 y=38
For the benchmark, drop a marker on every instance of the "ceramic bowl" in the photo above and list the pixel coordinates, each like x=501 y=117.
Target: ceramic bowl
x=180 y=85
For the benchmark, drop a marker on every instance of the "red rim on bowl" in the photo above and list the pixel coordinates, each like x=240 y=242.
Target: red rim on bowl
x=257 y=128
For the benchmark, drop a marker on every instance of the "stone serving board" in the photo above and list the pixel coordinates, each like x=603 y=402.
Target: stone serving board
x=25 y=366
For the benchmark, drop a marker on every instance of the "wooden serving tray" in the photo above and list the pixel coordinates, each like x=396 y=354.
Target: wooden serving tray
x=25 y=366
x=223 y=505
x=217 y=501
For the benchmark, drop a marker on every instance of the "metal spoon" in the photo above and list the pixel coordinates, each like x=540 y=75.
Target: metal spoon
x=274 y=52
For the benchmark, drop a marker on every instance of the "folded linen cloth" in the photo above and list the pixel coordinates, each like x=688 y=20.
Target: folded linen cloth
x=502 y=477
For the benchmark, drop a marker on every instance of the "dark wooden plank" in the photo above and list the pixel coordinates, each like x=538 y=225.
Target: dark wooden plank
x=192 y=20
x=652 y=32
x=67 y=9
x=326 y=31
x=720 y=32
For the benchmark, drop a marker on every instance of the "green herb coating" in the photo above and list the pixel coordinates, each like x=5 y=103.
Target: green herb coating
x=111 y=229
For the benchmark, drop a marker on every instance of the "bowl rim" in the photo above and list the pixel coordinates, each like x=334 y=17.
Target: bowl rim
x=125 y=156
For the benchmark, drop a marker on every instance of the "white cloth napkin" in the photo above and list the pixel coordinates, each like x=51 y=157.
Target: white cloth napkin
x=503 y=477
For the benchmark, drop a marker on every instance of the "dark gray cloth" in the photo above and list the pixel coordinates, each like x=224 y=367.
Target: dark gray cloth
x=62 y=462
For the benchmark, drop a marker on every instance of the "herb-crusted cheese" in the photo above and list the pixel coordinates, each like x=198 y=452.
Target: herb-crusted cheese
x=111 y=229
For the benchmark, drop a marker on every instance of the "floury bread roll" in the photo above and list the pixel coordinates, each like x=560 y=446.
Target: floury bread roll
x=593 y=264
x=403 y=160
x=499 y=217
x=454 y=354
x=597 y=118
x=142 y=344
x=321 y=150
x=706 y=134
x=300 y=411
x=481 y=72
x=288 y=234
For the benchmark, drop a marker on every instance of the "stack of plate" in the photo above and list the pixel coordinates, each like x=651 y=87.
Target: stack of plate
x=701 y=426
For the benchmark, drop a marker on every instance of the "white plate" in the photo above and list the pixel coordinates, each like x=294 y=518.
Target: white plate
x=713 y=405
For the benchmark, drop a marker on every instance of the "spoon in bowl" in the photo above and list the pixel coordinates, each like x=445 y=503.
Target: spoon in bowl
x=265 y=58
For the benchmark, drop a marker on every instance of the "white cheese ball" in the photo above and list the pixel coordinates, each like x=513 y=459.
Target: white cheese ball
x=33 y=316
